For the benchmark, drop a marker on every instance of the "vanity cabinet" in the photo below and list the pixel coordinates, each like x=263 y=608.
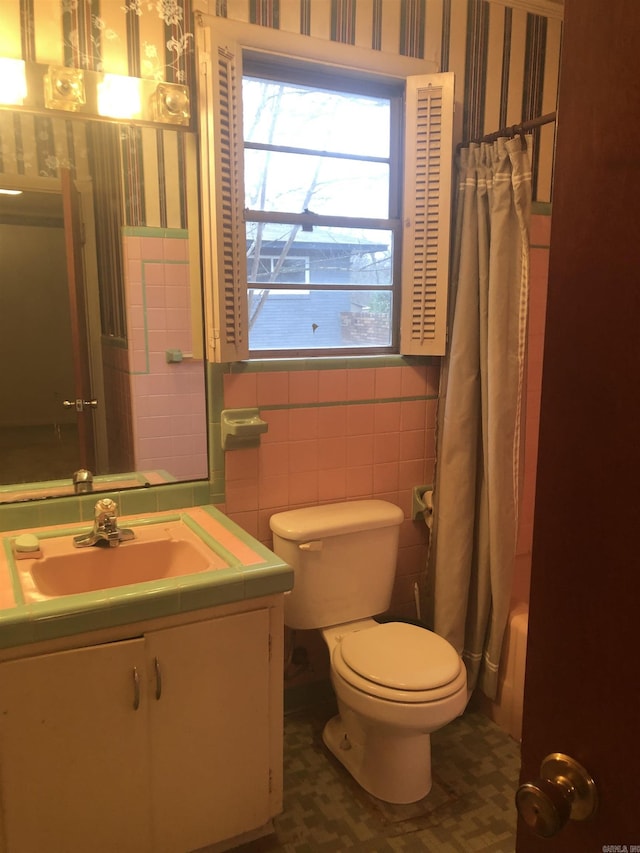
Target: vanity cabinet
x=166 y=742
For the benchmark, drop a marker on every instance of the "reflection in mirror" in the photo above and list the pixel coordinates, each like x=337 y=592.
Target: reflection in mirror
x=100 y=306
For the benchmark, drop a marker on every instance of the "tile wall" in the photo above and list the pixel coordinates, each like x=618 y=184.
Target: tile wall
x=337 y=433
x=168 y=407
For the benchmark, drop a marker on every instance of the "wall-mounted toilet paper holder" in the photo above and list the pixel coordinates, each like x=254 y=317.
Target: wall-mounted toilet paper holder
x=422 y=504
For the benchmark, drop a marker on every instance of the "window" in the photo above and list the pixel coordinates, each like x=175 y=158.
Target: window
x=326 y=206
x=321 y=208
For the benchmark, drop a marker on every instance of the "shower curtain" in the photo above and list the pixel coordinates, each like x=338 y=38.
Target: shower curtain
x=479 y=465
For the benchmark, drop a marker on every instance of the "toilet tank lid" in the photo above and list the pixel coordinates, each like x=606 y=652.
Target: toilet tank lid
x=335 y=519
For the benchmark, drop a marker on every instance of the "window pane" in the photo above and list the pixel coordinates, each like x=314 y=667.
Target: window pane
x=278 y=113
x=289 y=183
x=318 y=319
x=355 y=256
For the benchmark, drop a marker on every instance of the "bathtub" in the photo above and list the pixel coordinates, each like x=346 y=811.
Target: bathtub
x=506 y=710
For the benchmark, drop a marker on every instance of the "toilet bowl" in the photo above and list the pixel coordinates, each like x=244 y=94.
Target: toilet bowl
x=395 y=683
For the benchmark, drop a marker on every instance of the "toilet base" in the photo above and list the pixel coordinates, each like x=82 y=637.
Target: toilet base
x=393 y=768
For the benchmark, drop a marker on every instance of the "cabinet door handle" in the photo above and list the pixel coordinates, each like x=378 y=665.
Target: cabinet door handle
x=156 y=665
x=136 y=689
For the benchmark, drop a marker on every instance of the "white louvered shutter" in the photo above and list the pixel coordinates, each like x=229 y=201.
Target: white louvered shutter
x=221 y=161
x=427 y=204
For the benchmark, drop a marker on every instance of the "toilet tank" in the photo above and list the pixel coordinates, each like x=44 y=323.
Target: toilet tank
x=343 y=557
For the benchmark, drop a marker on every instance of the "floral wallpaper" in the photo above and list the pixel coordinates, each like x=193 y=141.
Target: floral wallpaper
x=141 y=38
x=179 y=42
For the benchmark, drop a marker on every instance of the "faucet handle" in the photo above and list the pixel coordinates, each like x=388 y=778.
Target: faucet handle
x=105 y=508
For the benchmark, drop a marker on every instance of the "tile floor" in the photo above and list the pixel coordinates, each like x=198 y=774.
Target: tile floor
x=470 y=807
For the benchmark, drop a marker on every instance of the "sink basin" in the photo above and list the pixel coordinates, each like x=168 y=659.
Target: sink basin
x=159 y=551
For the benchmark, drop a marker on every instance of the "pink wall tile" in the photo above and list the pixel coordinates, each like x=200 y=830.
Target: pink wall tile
x=240 y=390
x=274 y=492
x=278 y=420
x=332 y=485
x=410 y=473
x=387 y=447
x=540 y=230
x=412 y=444
x=167 y=431
x=241 y=496
x=360 y=384
x=332 y=386
x=152 y=248
x=388 y=381
x=272 y=388
x=303 y=424
x=132 y=247
x=303 y=387
x=360 y=481
x=154 y=275
x=360 y=449
x=303 y=456
x=331 y=421
x=247 y=521
x=332 y=452
x=360 y=419
x=273 y=459
x=413 y=414
x=385 y=477
x=174 y=249
x=242 y=464
x=387 y=417
x=413 y=381
x=303 y=488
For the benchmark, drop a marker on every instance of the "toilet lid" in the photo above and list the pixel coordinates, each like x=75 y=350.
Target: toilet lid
x=400 y=656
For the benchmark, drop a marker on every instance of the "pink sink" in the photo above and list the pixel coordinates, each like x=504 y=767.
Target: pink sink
x=159 y=551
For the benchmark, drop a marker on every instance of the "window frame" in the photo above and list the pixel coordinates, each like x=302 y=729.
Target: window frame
x=427 y=180
x=301 y=72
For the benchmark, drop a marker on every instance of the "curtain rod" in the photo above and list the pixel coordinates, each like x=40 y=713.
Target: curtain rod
x=514 y=130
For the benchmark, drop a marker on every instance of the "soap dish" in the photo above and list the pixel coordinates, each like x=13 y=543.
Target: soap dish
x=242 y=428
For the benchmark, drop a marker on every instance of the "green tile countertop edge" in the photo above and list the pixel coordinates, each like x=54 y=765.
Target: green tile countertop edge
x=82 y=613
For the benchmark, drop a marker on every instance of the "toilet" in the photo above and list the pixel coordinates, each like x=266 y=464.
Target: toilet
x=395 y=683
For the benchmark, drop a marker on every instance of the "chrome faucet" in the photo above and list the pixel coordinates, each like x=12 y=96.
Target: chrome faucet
x=82 y=481
x=105 y=527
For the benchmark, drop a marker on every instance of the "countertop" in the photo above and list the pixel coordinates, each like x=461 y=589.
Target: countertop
x=251 y=571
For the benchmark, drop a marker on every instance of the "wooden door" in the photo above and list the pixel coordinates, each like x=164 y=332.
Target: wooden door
x=74 y=752
x=582 y=692
x=73 y=230
x=210 y=727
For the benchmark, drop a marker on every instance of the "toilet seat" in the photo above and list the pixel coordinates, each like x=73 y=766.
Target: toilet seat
x=399 y=662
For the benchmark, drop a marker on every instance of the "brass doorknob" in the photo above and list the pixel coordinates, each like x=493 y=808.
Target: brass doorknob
x=565 y=791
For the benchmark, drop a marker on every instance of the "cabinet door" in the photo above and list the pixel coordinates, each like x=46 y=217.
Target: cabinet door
x=74 y=767
x=210 y=730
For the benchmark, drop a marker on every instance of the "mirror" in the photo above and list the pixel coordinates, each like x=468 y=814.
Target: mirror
x=101 y=330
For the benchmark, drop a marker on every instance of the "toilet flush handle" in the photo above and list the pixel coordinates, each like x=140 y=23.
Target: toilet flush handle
x=311 y=546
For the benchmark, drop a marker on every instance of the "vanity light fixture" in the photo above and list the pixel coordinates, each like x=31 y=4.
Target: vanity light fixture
x=119 y=97
x=4 y=191
x=64 y=88
x=170 y=103
x=33 y=86
x=13 y=81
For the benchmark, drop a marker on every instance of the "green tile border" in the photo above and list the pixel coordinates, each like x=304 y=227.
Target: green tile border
x=350 y=362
